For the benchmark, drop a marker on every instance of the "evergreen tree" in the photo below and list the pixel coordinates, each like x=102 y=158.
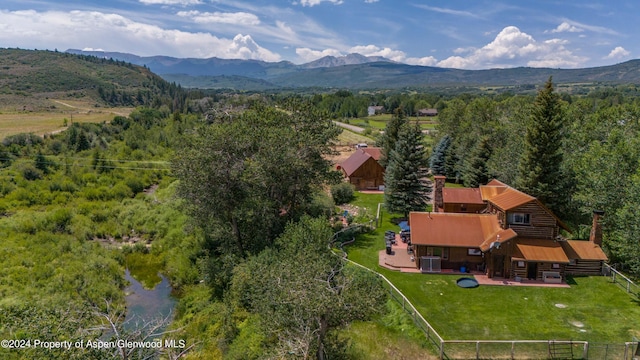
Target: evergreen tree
x=407 y=187
x=391 y=133
x=452 y=163
x=475 y=171
x=82 y=142
x=438 y=157
x=540 y=170
x=41 y=163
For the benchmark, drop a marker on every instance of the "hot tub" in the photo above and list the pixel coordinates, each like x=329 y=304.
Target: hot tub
x=467 y=283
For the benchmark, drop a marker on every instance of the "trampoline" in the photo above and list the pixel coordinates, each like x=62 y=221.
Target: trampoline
x=467 y=283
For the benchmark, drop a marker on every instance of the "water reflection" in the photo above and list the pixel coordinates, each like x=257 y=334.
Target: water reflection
x=144 y=305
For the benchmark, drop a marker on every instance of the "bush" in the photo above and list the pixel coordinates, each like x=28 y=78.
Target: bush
x=342 y=193
x=31 y=173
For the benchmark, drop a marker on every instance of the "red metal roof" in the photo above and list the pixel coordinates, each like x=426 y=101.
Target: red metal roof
x=354 y=161
x=359 y=157
x=583 y=250
x=487 y=192
x=502 y=236
x=452 y=229
x=510 y=198
x=374 y=152
x=462 y=196
x=496 y=182
x=541 y=250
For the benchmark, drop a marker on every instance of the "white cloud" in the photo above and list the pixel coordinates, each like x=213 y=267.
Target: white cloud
x=423 y=61
x=237 y=18
x=566 y=27
x=448 y=11
x=92 y=29
x=308 y=55
x=372 y=50
x=171 y=2
x=371 y=1
x=512 y=47
x=311 y=3
x=618 y=53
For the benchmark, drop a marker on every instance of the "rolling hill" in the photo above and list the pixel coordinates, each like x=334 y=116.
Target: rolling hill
x=32 y=76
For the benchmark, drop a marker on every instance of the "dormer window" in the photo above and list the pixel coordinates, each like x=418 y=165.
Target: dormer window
x=520 y=218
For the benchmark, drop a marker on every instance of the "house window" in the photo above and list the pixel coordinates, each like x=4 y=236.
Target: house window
x=474 y=252
x=445 y=254
x=520 y=218
x=555 y=266
x=521 y=264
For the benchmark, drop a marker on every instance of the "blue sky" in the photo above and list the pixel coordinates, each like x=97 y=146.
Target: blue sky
x=469 y=34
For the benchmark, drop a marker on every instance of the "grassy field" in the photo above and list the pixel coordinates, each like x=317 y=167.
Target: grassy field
x=593 y=309
x=351 y=138
x=42 y=122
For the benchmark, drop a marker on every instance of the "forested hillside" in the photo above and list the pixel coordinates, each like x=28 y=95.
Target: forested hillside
x=29 y=77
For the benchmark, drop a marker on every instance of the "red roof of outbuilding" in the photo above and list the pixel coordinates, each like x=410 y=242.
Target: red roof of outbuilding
x=374 y=152
x=359 y=157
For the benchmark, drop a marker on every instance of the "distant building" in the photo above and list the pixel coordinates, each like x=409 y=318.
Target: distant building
x=375 y=110
x=428 y=112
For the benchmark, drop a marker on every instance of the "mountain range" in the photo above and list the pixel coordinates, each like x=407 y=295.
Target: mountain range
x=355 y=71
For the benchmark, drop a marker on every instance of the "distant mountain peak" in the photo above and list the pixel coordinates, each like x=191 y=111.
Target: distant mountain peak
x=349 y=59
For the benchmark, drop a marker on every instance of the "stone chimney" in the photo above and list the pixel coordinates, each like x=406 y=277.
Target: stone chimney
x=596 y=228
x=439 y=180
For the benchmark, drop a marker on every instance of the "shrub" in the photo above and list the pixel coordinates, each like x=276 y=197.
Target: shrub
x=31 y=173
x=342 y=193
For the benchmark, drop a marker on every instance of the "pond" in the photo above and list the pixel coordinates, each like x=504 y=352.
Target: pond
x=149 y=302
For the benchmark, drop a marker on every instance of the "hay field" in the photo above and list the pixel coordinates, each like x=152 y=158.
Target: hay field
x=41 y=121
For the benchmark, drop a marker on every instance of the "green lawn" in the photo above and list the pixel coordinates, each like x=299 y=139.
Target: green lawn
x=595 y=309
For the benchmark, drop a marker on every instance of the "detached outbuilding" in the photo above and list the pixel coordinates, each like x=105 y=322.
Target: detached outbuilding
x=363 y=170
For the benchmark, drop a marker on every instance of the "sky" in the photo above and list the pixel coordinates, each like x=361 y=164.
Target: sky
x=464 y=34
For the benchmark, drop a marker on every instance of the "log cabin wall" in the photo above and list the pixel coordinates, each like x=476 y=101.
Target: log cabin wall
x=585 y=267
x=542 y=225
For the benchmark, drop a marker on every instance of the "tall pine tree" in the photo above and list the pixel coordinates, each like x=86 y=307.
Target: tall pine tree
x=407 y=187
x=540 y=170
x=438 y=159
x=391 y=133
x=475 y=171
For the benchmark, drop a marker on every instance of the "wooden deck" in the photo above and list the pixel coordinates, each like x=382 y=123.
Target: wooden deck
x=483 y=279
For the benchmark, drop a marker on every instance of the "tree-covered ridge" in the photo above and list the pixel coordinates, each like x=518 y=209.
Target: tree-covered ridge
x=30 y=73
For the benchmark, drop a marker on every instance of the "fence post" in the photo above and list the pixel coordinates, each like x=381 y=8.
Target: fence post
x=585 y=350
x=513 y=350
x=626 y=350
x=441 y=350
x=628 y=286
x=477 y=350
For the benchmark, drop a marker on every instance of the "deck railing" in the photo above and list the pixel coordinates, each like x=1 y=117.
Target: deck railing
x=620 y=279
